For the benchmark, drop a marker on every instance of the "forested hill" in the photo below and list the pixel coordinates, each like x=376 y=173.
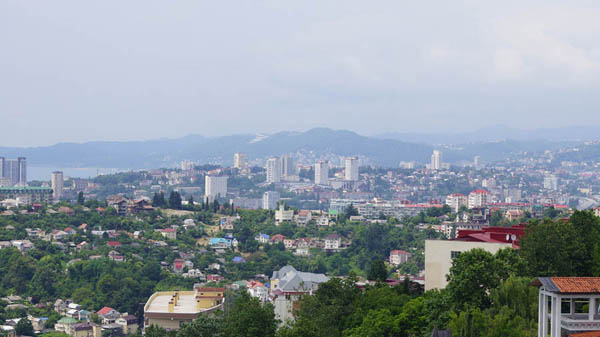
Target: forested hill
x=220 y=150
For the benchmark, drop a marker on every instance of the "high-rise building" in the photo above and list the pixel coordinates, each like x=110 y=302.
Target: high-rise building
x=436 y=160
x=58 y=184
x=351 y=169
x=215 y=187
x=322 y=172
x=14 y=171
x=273 y=170
x=288 y=168
x=270 y=199
x=477 y=161
x=240 y=160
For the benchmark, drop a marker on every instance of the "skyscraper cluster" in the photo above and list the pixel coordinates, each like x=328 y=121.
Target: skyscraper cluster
x=282 y=169
x=13 y=172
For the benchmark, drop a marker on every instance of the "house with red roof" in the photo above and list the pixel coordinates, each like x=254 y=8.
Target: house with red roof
x=114 y=244
x=554 y=292
x=277 y=238
x=108 y=315
x=169 y=233
x=397 y=257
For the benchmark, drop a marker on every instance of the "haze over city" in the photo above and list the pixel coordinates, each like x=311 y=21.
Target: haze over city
x=75 y=71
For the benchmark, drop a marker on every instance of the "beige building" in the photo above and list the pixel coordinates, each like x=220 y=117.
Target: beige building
x=171 y=309
x=58 y=184
x=440 y=253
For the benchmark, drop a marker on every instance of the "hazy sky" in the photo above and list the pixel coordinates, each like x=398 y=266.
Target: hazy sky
x=106 y=70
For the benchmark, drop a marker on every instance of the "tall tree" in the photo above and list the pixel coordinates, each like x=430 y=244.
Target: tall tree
x=378 y=271
x=80 y=198
x=175 y=200
x=250 y=318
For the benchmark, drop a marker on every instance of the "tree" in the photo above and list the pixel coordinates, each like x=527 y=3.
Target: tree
x=24 y=327
x=555 y=248
x=472 y=275
x=191 y=202
x=250 y=318
x=378 y=271
x=175 y=200
x=80 y=198
x=203 y=326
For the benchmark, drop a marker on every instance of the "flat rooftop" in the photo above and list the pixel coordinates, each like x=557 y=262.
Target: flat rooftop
x=185 y=305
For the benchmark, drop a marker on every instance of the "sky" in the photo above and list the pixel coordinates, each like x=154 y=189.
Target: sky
x=142 y=69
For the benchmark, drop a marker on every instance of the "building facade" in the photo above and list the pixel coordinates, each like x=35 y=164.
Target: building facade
x=270 y=199
x=58 y=184
x=322 y=172
x=171 y=309
x=351 y=169
x=13 y=171
x=273 y=170
x=240 y=160
x=215 y=187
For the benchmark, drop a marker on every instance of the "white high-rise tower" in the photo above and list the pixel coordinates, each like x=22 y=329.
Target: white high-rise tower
x=273 y=170
x=322 y=172
x=436 y=160
x=351 y=170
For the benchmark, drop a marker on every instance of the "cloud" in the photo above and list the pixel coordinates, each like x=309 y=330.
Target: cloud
x=141 y=69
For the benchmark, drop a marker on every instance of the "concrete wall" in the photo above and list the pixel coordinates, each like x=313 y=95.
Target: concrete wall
x=438 y=258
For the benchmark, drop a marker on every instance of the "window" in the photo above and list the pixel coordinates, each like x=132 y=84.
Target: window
x=454 y=254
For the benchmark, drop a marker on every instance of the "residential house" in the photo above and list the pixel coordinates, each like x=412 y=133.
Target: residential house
x=82 y=245
x=169 y=233
x=114 y=244
x=66 y=325
x=69 y=231
x=220 y=243
x=333 y=242
x=277 y=238
x=398 y=257
x=323 y=220
x=129 y=324
x=282 y=215
x=289 y=243
x=118 y=202
x=22 y=245
x=108 y=315
x=35 y=233
x=59 y=235
x=86 y=330
x=258 y=290
x=303 y=246
x=262 y=238
x=303 y=217
x=287 y=287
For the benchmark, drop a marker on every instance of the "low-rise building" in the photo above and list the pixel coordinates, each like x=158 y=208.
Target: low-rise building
x=398 y=257
x=333 y=242
x=171 y=309
x=287 y=287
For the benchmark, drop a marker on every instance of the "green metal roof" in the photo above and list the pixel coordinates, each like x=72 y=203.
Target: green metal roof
x=27 y=188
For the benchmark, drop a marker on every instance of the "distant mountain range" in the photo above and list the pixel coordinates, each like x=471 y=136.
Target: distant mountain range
x=385 y=150
x=499 y=133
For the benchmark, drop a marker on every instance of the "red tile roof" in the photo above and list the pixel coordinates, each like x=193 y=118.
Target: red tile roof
x=583 y=285
x=480 y=192
x=114 y=243
x=105 y=310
